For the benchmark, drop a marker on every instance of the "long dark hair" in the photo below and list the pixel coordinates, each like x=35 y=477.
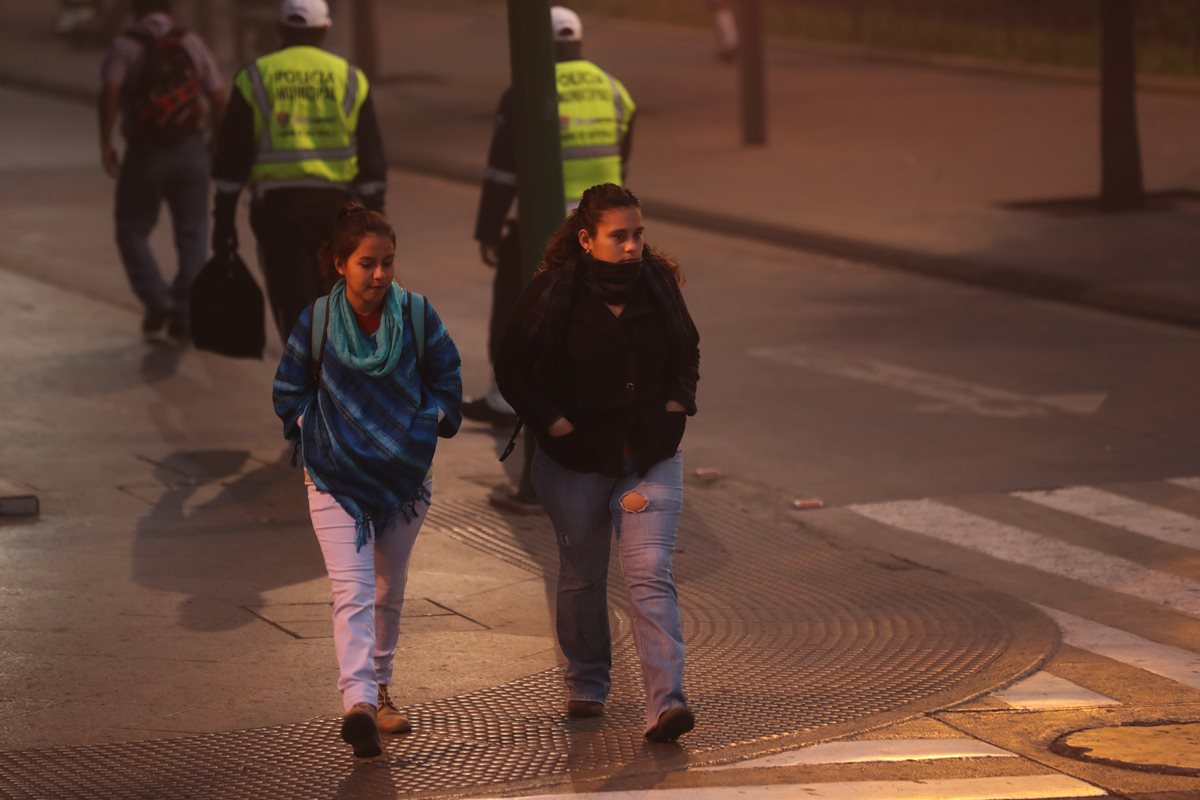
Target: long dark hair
x=564 y=246
x=352 y=224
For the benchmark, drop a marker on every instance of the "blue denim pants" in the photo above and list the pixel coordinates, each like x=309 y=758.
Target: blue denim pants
x=150 y=174
x=586 y=509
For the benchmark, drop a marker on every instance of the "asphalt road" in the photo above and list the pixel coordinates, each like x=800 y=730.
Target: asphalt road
x=903 y=403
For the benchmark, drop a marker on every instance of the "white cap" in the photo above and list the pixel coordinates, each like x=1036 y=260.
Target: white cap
x=565 y=25
x=305 y=14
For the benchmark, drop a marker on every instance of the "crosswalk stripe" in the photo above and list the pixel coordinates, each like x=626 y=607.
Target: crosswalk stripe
x=1187 y=483
x=1112 y=509
x=1019 y=546
x=1044 y=691
x=870 y=751
x=1016 y=787
x=1182 y=666
x=949 y=393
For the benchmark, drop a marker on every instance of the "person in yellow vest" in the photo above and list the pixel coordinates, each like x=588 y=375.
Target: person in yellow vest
x=596 y=115
x=301 y=130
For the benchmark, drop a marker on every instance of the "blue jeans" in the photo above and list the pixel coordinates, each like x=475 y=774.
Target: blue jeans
x=586 y=509
x=151 y=174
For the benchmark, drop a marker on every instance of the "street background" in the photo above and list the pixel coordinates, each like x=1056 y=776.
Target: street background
x=161 y=591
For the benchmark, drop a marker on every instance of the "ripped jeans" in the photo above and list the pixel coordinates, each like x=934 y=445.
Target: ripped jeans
x=586 y=510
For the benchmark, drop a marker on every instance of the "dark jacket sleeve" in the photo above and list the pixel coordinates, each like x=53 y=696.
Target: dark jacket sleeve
x=517 y=363
x=371 y=181
x=683 y=390
x=235 y=146
x=500 y=177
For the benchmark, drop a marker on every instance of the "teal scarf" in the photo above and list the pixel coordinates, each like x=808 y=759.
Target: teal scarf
x=376 y=356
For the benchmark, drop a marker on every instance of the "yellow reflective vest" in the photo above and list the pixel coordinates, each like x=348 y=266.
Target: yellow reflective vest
x=594 y=111
x=306 y=105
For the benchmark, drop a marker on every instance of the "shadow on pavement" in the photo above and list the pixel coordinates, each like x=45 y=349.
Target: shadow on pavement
x=223 y=529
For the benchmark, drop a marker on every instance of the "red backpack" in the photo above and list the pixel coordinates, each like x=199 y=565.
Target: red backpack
x=165 y=100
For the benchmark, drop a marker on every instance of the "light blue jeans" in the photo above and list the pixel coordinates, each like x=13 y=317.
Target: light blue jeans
x=368 y=592
x=586 y=510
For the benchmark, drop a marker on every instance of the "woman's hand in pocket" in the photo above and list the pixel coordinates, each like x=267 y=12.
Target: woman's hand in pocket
x=560 y=427
x=675 y=405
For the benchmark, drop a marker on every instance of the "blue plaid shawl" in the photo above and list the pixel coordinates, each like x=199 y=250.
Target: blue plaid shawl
x=369 y=441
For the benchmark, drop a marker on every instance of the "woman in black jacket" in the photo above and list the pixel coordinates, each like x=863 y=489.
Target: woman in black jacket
x=601 y=359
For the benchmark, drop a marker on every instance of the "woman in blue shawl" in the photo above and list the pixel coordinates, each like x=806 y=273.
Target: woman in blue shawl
x=364 y=392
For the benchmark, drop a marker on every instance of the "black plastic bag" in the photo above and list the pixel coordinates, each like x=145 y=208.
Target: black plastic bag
x=227 y=313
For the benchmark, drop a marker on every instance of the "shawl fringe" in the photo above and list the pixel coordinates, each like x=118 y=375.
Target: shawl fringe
x=364 y=527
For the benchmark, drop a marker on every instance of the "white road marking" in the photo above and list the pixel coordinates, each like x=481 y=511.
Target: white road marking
x=1017 y=787
x=1043 y=691
x=1187 y=483
x=1082 y=403
x=873 y=750
x=1182 y=666
x=1019 y=546
x=951 y=393
x=1121 y=512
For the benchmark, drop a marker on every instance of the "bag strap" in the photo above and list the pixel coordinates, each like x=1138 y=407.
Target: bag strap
x=320 y=307
x=416 y=309
x=512 y=442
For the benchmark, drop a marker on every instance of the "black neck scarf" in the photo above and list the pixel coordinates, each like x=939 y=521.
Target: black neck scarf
x=611 y=281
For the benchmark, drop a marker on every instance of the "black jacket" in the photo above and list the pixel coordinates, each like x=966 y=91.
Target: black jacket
x=566 y=354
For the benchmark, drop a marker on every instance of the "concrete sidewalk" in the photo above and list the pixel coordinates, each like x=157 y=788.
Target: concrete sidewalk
x=907 y=166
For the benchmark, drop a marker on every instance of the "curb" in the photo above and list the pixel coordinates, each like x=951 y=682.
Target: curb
x=17 y=499
x=62 y=91
x=973 y=272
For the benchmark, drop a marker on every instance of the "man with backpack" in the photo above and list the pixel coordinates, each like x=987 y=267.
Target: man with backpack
x=157 y=78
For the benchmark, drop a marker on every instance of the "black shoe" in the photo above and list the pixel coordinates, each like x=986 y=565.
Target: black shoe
x=154 y=320
x=480 y=411
x=360 y=731
x=179 y=329
x=583 y=709
x=672 y=723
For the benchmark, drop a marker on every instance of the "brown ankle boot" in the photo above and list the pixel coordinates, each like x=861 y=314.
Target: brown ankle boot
x=360 y=731
x=672 y=723
x=390 y=718
x=583 y=709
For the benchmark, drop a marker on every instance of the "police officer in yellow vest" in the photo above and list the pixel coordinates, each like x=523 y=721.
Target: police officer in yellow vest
x=596 y=122
x=301 y=130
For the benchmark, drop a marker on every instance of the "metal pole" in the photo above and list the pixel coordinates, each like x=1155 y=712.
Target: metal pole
x=365 y=47
x=752 y=72
x=540 y=200
x=1121 y=184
